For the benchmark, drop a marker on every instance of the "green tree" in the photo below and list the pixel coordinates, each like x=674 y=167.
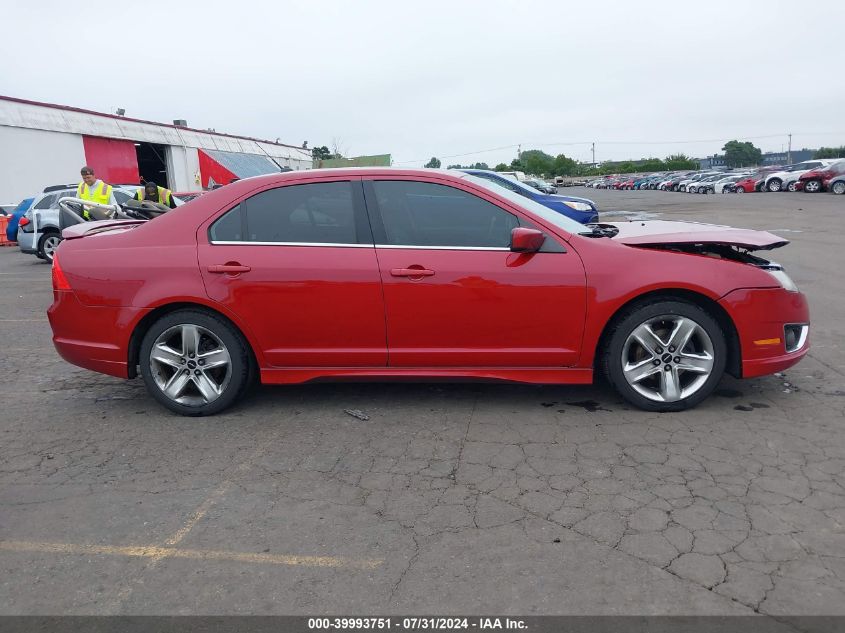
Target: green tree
x=739 y=154
x=536 y=162
x=830 y=152
x=563 y=166
x=434 y=163
x=680 y=161
x=501 y=167
x=321 y=153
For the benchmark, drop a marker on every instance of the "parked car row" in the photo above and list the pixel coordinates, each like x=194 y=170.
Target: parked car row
x=810 y=176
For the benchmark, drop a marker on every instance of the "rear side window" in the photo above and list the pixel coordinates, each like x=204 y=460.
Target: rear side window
x=228 y=228
x=426 y=214
x=321 y=213
x=317 y=213
x=46 y=202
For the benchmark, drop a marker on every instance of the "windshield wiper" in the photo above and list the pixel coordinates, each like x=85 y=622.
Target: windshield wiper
x=600 y=230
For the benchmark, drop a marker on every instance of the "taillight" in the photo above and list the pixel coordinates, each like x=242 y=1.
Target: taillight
x=59 y=280
x=23 y=221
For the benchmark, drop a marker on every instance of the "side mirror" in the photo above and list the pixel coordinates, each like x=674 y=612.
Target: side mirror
x=524 y=240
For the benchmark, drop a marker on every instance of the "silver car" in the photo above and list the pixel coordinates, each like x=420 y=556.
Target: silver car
x=40 y=234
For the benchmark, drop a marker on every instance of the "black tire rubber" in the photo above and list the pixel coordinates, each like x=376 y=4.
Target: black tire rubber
x=243 y=369
x=40 y=248
x=626 y=322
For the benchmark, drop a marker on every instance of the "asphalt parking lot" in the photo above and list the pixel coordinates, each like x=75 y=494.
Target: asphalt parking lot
x=450 y=498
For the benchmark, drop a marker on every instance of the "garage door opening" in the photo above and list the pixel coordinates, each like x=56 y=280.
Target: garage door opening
x=152 y=164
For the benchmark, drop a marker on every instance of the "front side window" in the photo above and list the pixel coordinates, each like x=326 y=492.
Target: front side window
x=316 y=213
x=426 y=214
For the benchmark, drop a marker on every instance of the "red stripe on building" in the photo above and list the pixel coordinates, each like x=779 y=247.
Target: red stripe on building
x=210 y=168
x=114 y=161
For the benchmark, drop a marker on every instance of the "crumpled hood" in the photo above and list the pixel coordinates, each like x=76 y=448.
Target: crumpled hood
x=642 y=233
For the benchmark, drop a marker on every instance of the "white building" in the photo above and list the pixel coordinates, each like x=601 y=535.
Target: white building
x=42 y=144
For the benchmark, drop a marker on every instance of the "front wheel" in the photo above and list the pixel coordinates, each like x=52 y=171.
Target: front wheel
x=791 y=187
x=739 y=190
x=195 y=363
x=47 y=245
x=774 y=185
x=665 y=356
x=812 y=186
x=838 y=187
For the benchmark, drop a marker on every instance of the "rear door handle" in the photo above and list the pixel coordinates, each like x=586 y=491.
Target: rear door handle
x=232 y=269
x=411 y=272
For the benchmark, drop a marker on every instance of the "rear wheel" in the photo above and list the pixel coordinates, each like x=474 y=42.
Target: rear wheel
x=739 y=190
x=665 y=356
x=791 y=186
x=838 y=187
x=47 y=245
x=195 y=363
x=812 y=186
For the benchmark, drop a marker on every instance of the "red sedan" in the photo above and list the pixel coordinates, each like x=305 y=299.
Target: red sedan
x=381 y=273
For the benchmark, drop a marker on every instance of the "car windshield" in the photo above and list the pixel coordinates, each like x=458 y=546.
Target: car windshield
x=553 y=217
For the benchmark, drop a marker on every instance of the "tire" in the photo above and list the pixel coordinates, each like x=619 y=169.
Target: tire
x=674 y=187
x=838 y=187
x=739 y=190
x=643 y=335
x=812 y=186
x=791 y=187
x=47 y=245
x=774 y=185
x=183 y=339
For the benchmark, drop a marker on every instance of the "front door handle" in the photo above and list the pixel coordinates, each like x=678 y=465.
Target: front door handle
x=411 y=272
x=231 y=269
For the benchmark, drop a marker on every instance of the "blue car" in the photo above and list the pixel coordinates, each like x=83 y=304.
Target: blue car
x=17 y=214
x=579 y=209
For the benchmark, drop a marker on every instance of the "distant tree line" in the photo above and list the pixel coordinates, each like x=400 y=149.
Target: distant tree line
x=536 y=162
x=830 y=152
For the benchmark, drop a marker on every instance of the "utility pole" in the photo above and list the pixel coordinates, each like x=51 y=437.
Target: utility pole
x=789 y=151
x=594 y=154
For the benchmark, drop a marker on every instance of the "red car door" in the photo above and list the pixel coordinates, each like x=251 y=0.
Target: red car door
x=297 y=265
x=456 y=296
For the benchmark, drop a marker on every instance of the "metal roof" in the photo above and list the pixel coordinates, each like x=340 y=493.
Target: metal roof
x=22 y=113
x=244 y=165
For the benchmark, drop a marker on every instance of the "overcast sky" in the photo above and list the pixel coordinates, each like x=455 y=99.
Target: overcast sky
x=432 y=78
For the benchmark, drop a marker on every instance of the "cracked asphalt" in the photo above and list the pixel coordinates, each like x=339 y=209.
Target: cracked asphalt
x=451 y=498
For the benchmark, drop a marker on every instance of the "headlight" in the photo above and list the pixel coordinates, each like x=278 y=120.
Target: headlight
x=784 y=280
x=578 y=206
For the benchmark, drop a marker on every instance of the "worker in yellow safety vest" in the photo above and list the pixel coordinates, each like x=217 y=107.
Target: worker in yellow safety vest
x=93 y=189
x=152 y=192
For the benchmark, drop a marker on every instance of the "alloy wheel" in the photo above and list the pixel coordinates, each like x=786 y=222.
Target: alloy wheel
x=812 y=186
x=838 y=188
x=667 y=358
x=51 y=243
x=190 y=365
